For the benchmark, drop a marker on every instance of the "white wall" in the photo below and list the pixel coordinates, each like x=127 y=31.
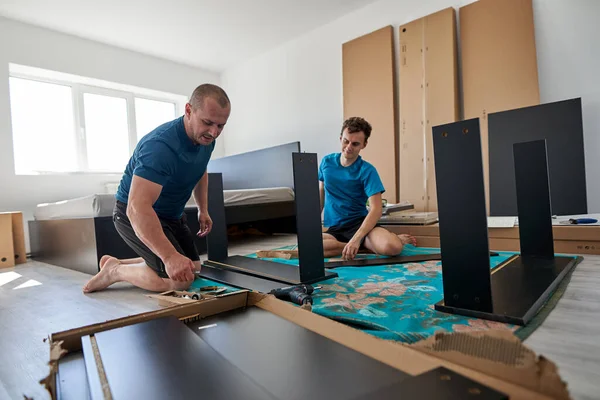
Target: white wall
x=28 y=45
x=294 y=92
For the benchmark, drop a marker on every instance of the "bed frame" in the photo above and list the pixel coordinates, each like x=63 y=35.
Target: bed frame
x=79 y=243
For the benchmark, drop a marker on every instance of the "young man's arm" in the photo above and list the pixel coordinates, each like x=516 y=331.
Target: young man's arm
x=375 y=210
x=201 y=198
x=322 y=194
x=142 y=195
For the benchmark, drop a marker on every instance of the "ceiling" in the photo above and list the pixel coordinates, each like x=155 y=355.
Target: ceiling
x=213 y=35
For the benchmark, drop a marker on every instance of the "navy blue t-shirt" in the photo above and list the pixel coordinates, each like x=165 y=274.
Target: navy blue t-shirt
x=167 y=156
x=347 y=189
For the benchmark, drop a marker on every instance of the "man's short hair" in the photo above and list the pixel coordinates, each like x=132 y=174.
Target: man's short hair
x=357 y=124
x=208 y=90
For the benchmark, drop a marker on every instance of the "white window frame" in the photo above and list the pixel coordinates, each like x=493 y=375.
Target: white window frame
x=78 y=90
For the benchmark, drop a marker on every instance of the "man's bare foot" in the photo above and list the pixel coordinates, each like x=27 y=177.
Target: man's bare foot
x=103 y=279
x=104 y=260
x=408 y=239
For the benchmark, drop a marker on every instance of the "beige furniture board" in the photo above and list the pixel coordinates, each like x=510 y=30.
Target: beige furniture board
x=369 y=80
x=411 y=95
x=12 y=239
x=499 y=62
x=428 y=92
x=568 y=239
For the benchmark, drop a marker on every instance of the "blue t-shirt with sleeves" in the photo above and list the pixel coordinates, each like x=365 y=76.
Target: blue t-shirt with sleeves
x=347 y=189
x=168 y=157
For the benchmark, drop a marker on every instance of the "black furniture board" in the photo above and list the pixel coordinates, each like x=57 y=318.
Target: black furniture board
x=270 y=270
x=560 y=124
x=520 y=287
x=437 y=384
x=290 y=361
x=216 y=240
x=371 y=262
x=163 y=359
x=308 y=217
x=462 y=215
x=239 y=280
x=268 y=167
x=533 y=199
x=71 y=378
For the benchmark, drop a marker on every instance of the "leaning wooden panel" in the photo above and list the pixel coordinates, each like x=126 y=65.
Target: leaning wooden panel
x=19 y=238
x=499 y=63
x=7 y=253
x=441 y=85
x=412 y=115
x=368 y=84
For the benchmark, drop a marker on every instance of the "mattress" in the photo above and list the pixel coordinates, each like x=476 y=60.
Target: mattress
x=101 y=205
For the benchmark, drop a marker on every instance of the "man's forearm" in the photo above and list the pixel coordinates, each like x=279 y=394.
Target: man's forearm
x=147 y=227
x=201 y=193
x=368 y=224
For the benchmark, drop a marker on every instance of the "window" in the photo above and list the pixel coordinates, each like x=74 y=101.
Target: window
x=69 y=126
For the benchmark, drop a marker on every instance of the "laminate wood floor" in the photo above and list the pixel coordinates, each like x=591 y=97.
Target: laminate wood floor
x=37 y=299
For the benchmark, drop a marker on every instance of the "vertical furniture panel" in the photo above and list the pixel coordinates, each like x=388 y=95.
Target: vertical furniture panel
x=412 y=114
x=499 y=64
x=368 y=86
x=18 y=234
x=441 y=86
x=7 y=256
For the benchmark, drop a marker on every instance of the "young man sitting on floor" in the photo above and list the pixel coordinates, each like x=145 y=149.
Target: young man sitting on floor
x=346 y=183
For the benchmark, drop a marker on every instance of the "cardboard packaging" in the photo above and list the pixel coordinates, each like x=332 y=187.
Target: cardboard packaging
x=12 y=239
x=496 y=360
x=567 y=239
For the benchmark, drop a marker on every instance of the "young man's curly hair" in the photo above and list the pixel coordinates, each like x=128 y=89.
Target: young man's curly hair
x=357 y=124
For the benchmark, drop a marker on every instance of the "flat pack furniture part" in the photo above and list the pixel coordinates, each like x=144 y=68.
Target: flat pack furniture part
x=311 y=268
x=560 y=123
x=473 y=359
x=247 y=353
x=513 y=291
x=428 y=96
x=371 y=262
x=498 y=57
x=369 y=90
x=161 y=359
x=12 y=239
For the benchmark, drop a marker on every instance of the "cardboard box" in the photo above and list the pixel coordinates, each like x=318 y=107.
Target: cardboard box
x=12 y=239
x=493 y=359
x=568 y=239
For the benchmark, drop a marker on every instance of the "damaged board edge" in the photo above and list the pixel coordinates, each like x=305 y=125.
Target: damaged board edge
x=414 y=360
x=498 y=353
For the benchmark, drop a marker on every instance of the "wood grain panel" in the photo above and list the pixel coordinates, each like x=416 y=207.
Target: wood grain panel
x=369 y=92
x=441 y=85
x=7 y=255
x=412 y=115
x=19 y=238
x=499 y=63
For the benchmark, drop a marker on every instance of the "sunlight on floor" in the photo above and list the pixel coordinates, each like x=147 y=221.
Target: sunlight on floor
x=7 y=277
x=29 y=283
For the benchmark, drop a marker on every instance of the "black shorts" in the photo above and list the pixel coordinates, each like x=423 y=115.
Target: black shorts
x=176 y=230
x=343 y=233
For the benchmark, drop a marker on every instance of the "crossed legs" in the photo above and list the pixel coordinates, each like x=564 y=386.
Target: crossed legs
x=380 y=241
x=134 y=271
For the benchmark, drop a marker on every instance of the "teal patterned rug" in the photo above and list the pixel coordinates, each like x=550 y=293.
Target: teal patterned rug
x=396 y=302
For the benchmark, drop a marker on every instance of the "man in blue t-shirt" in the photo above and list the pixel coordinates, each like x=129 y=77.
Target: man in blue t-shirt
x=346 y=183
x=167 y=167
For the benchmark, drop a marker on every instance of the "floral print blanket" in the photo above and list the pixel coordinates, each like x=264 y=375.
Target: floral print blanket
x=394 y=302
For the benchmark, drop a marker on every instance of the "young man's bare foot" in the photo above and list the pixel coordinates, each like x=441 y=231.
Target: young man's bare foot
x=103 y=279
x=408 y=239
